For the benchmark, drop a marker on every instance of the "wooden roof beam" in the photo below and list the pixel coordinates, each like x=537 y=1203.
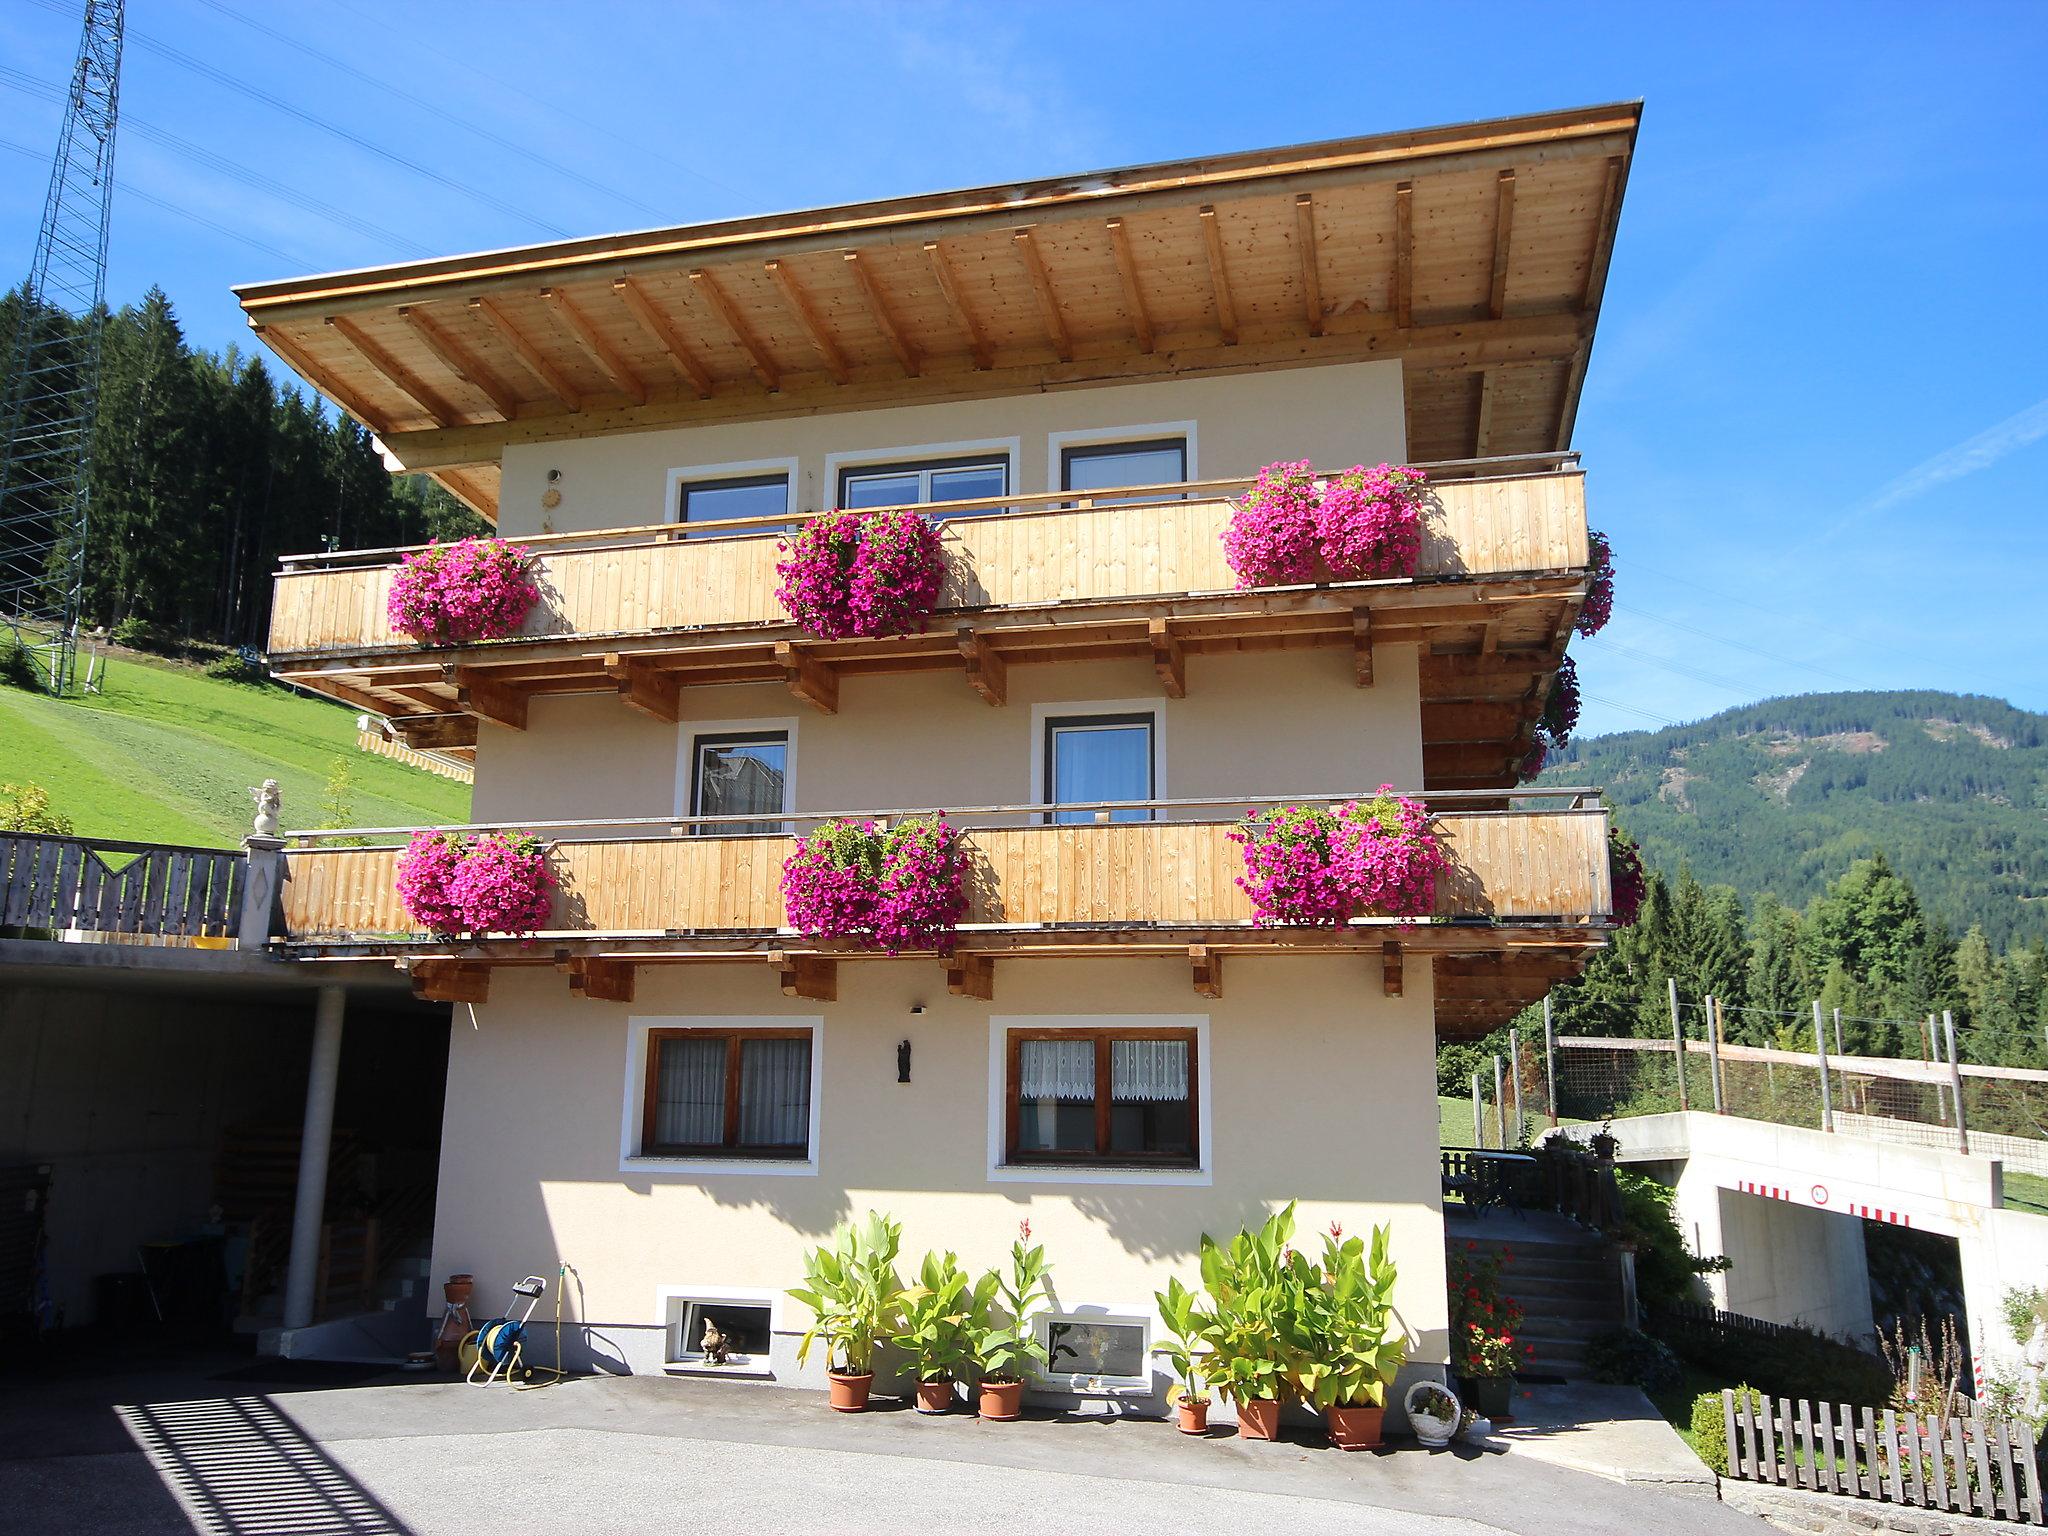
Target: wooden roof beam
x=812 y=977
x=1127 y=275
x=1219 y=276
x=438 y=733
x=320 y=378
x=808 y=318
x=986 y=670
x=1169 y=658
x=529 y=354
x=1404 y=254
x=1311 y=278
x=1207 y=965
x=813 y=681
x=451 y=981
x=643 y=308
x=970 y=975
x=763 y=365
x=460 y=361
x=490 y=700
x=603 y=981
x=597 y=346
x=879 y=311
x=949 y=285
x=1048 y=301
x=394 y=372
x=1503 y=237
x=1482 y=438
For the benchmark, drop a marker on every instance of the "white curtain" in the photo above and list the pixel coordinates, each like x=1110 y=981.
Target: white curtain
x=690 y=1098
x=775 y=1093
x=1148 y=1071
x=1056 y=1069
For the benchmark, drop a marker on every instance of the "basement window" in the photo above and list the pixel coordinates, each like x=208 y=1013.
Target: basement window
x=715 y=1335
x=1089 y=1351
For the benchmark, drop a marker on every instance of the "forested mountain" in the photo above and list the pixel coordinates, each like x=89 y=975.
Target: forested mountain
x=1783 y=796
x=206 y=469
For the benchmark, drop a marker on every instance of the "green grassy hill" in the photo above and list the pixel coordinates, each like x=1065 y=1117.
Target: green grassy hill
x=167 y=754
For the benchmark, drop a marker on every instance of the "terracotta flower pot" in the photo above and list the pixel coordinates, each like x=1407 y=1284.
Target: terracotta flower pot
x=935 y=1396
x=1194 y=1416
x=1002 y=1399
x=1354 y=1428
x=850 y=1392
x=457 y=1289
x=1258 y=1418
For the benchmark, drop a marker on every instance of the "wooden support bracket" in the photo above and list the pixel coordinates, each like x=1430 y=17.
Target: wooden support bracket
x=438 y=733
x=603 y=981
x=1169 y=659
x=1311 y=279
x=1390 y=969
x=1208 y=969
x=489 y=700
x=986 y=670
x=949 y=285
x=807 y=976
x=1127 y=275
x=1219 y=277
x=1361 y=645
x=972 y=976
x=451 y=981
x=808 y=678
x=1048 y=302
x=643 y=688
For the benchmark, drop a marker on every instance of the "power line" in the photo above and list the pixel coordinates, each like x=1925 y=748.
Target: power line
x=1673 y=667
x=1632 y=709
x=1754 y=650
x=430 y=108
x=222 y=78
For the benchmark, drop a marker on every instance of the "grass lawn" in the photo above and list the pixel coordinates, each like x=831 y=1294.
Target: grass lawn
x=167 y=754
x=2027 y=1192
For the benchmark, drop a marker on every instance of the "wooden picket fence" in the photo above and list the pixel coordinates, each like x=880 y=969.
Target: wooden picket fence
x=1973 y=1466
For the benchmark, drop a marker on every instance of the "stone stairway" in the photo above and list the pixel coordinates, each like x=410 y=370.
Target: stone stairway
x=1567 y=1280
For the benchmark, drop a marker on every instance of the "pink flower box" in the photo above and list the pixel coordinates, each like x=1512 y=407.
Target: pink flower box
x=450 y=594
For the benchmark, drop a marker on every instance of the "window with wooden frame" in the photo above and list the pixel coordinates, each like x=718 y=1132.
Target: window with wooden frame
x=727 y=1093
x=1108 y=1096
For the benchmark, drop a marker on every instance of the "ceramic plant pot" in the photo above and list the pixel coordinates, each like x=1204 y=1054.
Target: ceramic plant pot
x=1355 y=1428
x=1493 y=1396
x=1258 y=1418
x=1002 y=1399
x=457 y=1289
x=935 y=1396
x=1193 y=1416
x=850 y=1392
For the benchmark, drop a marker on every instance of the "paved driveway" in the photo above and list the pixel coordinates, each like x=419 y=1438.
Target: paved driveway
x=176 y=1450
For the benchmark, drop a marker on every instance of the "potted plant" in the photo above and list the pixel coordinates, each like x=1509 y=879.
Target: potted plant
x=1356 y=1347
x=1183 y=1351
x=1433 y=1413
x=1004 y=1336
x=938 y=1313
x=1253 y=1330
x=1604 y=1142
x=856 y=573
x=1484 y=1324
x=449 y=594
x=855 y=1299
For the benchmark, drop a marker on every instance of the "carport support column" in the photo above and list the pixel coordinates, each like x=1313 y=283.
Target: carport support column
x=308 y=1212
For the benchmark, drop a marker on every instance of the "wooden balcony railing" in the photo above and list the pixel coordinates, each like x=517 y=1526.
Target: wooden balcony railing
x=642 y=890
x=93 y=887
x=1016 y=552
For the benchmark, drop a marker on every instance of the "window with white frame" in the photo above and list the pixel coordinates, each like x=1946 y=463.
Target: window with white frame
x=740 y=773
x=1090 y=758
x=1096 y=466
x=724 y=498
x=1093 y=1351
x=1117 y=1097
x=719 y=1333
x=727 y=1093
x=927 y=481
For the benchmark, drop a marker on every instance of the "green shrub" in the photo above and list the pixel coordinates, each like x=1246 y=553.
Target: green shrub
x=26 y=808
x=1629 y=1358
x=1710 y=1426
x=1665 y=1267
x=136 y=634
x=234 y=667
x=1799 y=1362
x=18 y=667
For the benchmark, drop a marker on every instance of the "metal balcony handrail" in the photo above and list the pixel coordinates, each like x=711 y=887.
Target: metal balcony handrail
x=1025 y=504
x=623 y=826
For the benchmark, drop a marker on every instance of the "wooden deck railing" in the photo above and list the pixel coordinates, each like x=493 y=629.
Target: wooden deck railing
x=54 y=884
x=1511 y=867
x=1016 y=551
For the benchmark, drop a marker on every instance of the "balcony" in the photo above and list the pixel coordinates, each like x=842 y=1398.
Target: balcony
x=644 y=612
x=1526 y=902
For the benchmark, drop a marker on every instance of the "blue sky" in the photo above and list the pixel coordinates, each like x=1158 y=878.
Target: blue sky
x=1816 y=424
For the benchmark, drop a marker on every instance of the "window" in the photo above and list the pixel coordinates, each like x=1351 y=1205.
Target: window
x=715 y=501
x=1092 y=1351
x=1093 y=466
x=1102 y=1096
x=727 y=1093
x=1091 y=758
x=715 y=1334
x=740 y=774
x=929 y=481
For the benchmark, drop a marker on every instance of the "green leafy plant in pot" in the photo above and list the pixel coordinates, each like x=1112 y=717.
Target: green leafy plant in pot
x=1186 y=1353
x=1003 y=1332
x=1356 y=1350
x=938 y=1316
x=856 y=1301
x=1253 y=1334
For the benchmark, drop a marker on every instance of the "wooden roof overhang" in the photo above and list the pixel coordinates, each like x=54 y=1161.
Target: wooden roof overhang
x=1475 y=253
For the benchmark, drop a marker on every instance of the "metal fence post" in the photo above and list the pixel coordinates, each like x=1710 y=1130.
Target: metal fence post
x=1714 y=1053
x=1500 y=1109
x=1515 y=1078
x=1678 y=1044
x=1955 y=1079
x=1820 y=1054
x=1839 y=1052
x=1550 y=1058
x=1478 y=1124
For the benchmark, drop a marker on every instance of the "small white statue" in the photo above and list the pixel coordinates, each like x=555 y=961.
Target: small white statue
x=268 y=800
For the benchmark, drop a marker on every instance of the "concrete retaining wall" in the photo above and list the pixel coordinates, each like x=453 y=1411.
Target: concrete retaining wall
x=1827 y=1514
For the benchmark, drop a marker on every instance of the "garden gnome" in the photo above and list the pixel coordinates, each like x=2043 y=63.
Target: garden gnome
x=267 y=799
